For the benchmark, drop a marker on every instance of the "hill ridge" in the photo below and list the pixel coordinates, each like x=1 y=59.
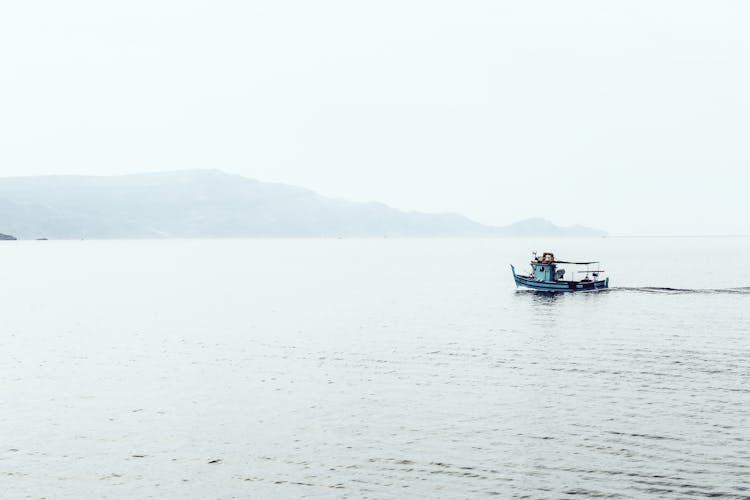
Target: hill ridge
x=208 y=203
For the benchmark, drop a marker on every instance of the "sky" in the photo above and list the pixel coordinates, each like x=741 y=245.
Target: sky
x=630 y=116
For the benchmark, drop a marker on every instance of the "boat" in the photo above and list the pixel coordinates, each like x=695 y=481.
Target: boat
x=548 y=277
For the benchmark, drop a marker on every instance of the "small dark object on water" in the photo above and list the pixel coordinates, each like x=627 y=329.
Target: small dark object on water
x=215 y=461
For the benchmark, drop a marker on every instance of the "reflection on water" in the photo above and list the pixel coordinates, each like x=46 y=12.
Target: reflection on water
x=542 y=297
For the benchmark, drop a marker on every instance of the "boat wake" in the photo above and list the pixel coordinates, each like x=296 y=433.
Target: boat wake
x=744 y=290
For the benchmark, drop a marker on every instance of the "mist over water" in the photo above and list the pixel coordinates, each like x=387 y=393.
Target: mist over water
x=372 y=369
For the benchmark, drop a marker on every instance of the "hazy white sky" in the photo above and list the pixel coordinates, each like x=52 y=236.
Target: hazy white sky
x=629 y=116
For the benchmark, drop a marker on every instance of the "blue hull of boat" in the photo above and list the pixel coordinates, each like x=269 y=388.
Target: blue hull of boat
x=559 y=286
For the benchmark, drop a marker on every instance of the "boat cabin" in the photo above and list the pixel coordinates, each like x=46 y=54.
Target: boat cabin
x=545 y=268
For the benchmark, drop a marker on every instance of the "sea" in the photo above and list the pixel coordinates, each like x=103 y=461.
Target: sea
x=372 y=368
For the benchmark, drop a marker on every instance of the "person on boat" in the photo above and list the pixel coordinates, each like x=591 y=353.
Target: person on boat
x=547 y=258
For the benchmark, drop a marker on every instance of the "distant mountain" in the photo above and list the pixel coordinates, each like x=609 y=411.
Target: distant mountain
x=542 y=227
x=7 y=237
x=210 y=203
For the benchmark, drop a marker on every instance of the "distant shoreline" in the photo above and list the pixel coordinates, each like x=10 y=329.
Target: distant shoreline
x=681 y=236
x=370 y=238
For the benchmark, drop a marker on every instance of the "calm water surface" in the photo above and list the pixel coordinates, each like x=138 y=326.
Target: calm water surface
x=372 y=369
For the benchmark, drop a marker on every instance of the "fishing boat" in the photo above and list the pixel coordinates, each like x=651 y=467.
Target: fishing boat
x=547 y=276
